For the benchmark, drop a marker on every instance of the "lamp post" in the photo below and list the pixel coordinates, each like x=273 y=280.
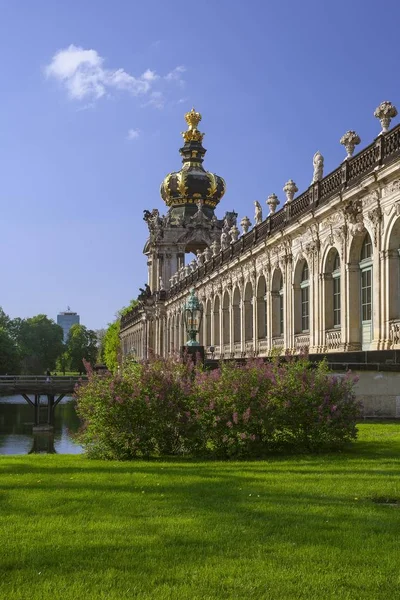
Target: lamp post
x=193 y=316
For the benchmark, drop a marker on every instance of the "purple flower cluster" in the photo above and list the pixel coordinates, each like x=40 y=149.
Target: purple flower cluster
x=170 y=407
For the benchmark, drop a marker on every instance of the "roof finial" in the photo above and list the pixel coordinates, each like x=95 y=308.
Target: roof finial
x=192 y=134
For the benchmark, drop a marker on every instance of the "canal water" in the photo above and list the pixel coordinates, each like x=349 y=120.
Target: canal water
x=16 y=422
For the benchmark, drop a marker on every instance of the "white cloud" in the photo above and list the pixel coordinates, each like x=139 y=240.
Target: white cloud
x=176 y=75
x=84 y=76
x=156 y=100
x=133 y=134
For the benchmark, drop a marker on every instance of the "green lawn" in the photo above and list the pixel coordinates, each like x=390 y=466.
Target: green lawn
x=287 y=528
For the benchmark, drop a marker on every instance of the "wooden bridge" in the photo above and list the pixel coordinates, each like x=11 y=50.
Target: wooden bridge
x=54 y=389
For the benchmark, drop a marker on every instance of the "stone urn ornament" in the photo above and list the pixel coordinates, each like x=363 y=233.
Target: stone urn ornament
x=385 y=112
x=290 y=189
x=272 y=202
x=245 y=224
x=350 y=140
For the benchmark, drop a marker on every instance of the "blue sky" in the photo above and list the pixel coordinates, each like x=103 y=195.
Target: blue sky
x=81 y=156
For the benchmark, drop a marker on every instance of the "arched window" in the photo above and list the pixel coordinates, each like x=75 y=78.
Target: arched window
x=305 y=299
x=366 y=291
x=262 y=308
x=336 y=291
x=281 y=308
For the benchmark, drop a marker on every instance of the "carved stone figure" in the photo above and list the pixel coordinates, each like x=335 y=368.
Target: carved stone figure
x=245 y=224
x=230 y=220
x=215 y=248
x=258 y=213
x=350 y=140
x=272 y=202
x=161 y=284
x=224 y=240
x=200 y=258
x=207 y=254
x=144 y=293
x=385 y=112
x=234 y=233
x=193 y=265
x=290 y=189
x=187 y=270
x=318 y=162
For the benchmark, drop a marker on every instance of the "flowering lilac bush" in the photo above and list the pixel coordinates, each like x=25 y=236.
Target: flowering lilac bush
x=170 y=407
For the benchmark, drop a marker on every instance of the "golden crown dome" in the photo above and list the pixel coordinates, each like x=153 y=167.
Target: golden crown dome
x=192 y=182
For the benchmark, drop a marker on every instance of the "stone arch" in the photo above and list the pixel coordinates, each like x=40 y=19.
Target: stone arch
x=261 y=307
x=236 y=309
x=225 y=318
x=248 y=312
x=301 y=296
x=216 y=310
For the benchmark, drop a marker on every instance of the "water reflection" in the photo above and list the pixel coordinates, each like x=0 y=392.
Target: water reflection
x=16 y=422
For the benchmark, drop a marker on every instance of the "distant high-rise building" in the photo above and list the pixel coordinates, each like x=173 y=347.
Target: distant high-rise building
x=66 y=320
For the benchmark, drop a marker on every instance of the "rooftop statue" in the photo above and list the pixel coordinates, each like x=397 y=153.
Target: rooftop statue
x=258 y=213
x=318 y=162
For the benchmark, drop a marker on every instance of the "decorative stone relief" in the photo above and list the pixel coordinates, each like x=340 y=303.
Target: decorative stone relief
x=340 y=235
x=370 y=198
x=393 y=186
x=375 y=217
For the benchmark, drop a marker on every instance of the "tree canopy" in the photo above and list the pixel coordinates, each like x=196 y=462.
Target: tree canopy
x=81 y=345
x=9 y=354
x=40 y=341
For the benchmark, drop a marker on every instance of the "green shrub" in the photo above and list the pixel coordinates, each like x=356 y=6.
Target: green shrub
x=169 y=407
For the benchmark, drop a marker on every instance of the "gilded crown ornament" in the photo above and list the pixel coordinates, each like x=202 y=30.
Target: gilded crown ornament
x=192 y=134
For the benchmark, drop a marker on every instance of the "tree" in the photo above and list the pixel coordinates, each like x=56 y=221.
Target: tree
x=112 y=346
x=81 y=345
x=4 y=320
x=9 y=355
x=40 y=342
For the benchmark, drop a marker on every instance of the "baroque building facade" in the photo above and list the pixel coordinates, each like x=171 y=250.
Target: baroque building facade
x=321 y=273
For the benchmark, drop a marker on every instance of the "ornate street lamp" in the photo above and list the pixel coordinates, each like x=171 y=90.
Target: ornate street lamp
x=193 y=315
